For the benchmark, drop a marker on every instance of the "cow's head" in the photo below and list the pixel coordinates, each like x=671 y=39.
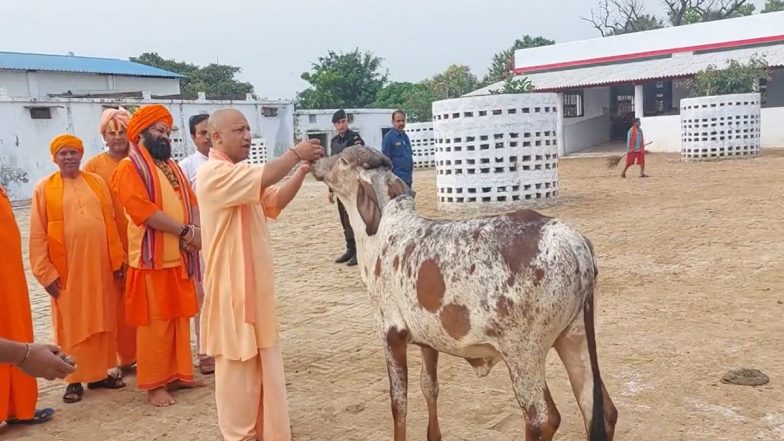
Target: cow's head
x=361 y=174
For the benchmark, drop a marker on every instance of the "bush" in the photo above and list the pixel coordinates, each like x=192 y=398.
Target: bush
x=735 y=78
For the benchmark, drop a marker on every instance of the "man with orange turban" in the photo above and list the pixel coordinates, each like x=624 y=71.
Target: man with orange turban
x=18 y=391
x=114 y=123
x=75 y=254
x=163 y=263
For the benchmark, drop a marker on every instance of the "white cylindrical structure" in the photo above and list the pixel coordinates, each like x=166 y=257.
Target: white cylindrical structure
x=496 y=149
x=720 y=127
x=422 y=144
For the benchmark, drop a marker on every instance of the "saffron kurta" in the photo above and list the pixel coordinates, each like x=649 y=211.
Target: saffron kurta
x=104 y=166
x=239 y=314
x=239 y=319
x=18 y=391
x=81 y=248
x=161 y=300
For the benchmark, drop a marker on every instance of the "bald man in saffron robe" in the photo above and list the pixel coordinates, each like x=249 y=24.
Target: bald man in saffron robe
x=239 y=322
x=18 y=391
x=163 y=263
x=114 y=123
x=76 y=253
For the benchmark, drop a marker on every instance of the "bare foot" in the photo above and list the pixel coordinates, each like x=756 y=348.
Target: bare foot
x=178 y=384
x=160 y=397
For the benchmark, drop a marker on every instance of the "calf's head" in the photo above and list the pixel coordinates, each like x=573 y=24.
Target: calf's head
x=361 y=175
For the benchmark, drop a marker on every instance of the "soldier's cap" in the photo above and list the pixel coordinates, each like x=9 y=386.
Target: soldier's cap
x=337 y=116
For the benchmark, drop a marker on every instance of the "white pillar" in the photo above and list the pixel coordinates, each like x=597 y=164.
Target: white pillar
x=561 y=135
x=639 y=96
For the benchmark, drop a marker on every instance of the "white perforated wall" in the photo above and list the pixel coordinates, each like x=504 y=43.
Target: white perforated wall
x=423 y=144
x=720 y=127
x=258 y=152
x=496 y=148
x=177 y=148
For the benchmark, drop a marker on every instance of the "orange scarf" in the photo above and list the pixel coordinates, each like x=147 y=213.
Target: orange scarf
x=55 y=227
x=245 y=251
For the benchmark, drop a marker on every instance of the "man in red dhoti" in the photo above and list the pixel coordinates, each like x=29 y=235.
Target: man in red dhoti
x=636 y=149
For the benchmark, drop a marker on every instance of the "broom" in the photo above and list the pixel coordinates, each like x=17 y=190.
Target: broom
x=613 y=161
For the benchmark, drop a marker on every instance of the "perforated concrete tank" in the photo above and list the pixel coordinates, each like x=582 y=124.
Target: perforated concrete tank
x=496 y=149
x=720 y=127
x=422 y=144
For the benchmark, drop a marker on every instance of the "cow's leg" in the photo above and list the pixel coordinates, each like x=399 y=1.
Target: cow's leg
x=526 y=367
x=429 y=382
x=572 y=347
x=395 y=344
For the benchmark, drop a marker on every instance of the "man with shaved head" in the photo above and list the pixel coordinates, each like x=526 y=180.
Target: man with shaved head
x=239 y=318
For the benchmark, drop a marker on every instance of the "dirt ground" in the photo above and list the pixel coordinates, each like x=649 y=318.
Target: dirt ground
x=691 y=284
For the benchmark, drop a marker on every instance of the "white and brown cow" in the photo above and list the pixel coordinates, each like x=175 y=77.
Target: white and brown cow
x=506 y=287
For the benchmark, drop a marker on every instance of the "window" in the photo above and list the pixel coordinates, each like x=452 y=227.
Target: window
x=312 y=119
x=269 y=112
x=573 y=104
x=350 y=118
x=41 y=112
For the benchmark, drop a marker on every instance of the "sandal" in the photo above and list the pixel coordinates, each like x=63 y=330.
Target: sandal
x=41 y=416
x=73 y=393
x=107 y=383
x=207 y=365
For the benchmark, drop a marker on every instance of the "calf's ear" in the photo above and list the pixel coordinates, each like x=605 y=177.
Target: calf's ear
x=367 y=205
x=395 y=187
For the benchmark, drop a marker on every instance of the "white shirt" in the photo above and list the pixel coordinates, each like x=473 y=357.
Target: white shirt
x=191 y=165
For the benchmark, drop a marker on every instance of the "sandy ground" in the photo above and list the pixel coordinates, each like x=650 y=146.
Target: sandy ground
x=691 y=271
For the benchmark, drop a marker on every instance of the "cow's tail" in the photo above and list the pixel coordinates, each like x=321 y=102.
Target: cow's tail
x=597 y=431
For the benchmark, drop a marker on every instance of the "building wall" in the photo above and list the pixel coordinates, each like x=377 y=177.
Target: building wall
x=369 y=123
x=24 y=142
x=40 y=84
x=593 y=127
x=665 y=131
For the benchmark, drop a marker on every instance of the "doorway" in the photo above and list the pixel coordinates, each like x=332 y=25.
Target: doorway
x=621 y=111
x=323 y=137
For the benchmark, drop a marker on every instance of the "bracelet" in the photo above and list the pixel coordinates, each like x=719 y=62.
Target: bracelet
x=25 y=357
x=193 y=234
x=295 y=153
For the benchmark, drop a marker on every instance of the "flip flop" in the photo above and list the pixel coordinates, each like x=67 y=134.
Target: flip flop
x=73 y=393
x=107 y=383
x=41 y=416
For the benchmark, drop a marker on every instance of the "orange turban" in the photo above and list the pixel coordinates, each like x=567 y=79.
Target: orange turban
x=145 y=117
x=120 y=116
x=64 y=141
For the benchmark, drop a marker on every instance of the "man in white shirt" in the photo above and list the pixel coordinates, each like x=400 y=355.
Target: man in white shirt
x=191 y=165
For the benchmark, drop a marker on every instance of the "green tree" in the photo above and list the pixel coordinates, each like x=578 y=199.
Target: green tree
x=414 y=98
x=737 y=77
x=348 y=80
x=683 y=12
x=773 y=6
x=503 y=62
x=455 y=81
x=515 y=85
x=216 y=80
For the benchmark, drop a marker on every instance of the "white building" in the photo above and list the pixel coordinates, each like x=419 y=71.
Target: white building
x=27 y=125
x=41 y=76
x=371 y=124
x=604 y=83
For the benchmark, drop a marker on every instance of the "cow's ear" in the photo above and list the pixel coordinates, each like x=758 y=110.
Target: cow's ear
x=395 y=187
x=367 y=205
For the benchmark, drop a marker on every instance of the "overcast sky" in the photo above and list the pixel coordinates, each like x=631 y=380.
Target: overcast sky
x=274 y=41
